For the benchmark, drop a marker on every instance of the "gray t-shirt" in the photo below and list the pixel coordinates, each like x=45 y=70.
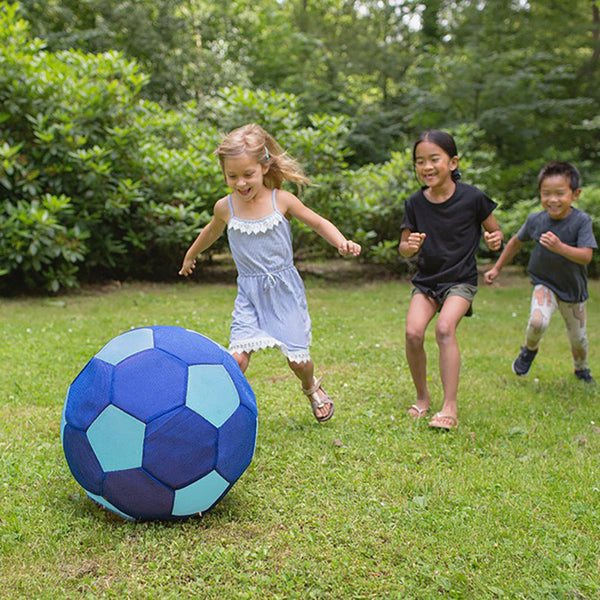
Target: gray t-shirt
x=566 y=279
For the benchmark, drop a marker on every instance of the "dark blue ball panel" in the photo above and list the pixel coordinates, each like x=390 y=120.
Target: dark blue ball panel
x=180 y=447
x=138 y=495
x=81 y=460
x=190 y=347
x=237 y=440
x=246 y=393
x=89 y=394
x=149 y=384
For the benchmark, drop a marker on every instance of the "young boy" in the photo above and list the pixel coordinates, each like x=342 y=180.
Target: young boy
x=564 y=243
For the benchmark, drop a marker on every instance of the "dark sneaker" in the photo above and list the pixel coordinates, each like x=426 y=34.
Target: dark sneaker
x=584 y=375
x=522 y=363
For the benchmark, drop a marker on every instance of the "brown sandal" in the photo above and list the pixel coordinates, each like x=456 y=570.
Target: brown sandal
x=316 y=401
x=445 y=422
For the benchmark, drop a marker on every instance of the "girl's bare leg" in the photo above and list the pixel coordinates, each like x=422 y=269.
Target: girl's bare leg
x=421 y=310
x=454 y=309
x=242 y=359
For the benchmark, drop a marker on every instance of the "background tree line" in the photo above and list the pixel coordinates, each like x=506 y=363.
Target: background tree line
x=111 y=110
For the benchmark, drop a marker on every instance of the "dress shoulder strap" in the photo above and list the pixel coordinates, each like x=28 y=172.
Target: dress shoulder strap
x=274 y=199
x=230 y=204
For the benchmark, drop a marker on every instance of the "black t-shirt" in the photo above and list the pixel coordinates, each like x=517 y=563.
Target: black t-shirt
x=566 y=279
x=453 y=229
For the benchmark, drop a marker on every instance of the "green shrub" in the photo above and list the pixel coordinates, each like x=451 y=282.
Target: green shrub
x=96 y=182
x=130 y=182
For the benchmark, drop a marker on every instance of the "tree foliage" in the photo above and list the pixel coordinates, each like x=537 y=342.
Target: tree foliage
x=111 y=110
x=524 y=72
x=97 y=182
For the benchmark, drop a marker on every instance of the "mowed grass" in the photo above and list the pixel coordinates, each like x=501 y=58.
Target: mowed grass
x=369 y=505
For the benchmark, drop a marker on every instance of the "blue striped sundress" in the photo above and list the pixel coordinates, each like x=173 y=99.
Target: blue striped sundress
x=270 y=309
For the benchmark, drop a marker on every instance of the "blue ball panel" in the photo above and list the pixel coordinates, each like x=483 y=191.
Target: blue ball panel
x=211 y=393
x=149 y=384
x=237 y=440
x=81 y=460
x=180 y=447
x=63 y=424
x=126 y=344
x=199 y=496
x=245 y=392
x=89 y=394
x=117 y=439
x=189 y=346
x=103 y=502
x=137 y=494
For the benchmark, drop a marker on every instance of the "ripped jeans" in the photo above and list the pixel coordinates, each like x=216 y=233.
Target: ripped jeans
x=543 y=304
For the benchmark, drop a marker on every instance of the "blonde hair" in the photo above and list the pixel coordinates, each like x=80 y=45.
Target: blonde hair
x=253 y=140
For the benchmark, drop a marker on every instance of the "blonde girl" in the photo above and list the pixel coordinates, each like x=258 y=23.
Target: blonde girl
x=270 y=309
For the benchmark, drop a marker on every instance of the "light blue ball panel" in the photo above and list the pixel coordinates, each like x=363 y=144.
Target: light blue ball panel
x=125 y=345
x=199 y=496
x=102 y=501
x=63 y=422
x=211 y=393
x=117 y=439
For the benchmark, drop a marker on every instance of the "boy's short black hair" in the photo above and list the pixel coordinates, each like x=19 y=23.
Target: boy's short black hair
x=561 y=168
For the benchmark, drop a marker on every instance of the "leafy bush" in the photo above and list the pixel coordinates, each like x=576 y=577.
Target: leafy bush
x=96 y=182
x=93 y=181
x=35 y=242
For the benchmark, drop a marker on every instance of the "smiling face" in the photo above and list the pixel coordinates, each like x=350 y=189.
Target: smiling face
x=433 y=165
x=557 y=196
x=244 y=176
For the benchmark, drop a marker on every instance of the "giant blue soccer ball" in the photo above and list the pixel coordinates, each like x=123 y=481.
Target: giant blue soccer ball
x=159 y=424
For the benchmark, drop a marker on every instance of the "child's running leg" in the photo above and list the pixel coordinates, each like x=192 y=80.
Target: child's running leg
x=242 y=359
x=421 y=310
x=320 y=401
x=543 y=305
x=575 y=318
x=453 y=310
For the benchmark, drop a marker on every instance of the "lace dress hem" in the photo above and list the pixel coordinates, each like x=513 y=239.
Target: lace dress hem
x=255 y=344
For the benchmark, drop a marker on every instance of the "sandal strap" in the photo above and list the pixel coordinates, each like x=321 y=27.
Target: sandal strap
x=315 y=388
x=319 y=400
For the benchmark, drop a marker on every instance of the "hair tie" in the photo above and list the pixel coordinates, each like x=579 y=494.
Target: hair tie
x=267 y=153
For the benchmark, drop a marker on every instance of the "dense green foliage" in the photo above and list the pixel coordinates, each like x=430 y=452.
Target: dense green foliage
x=106 y=165
x=525 y=72
x=97 y=182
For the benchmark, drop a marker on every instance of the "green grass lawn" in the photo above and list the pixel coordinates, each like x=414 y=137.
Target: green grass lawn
x=369 y=505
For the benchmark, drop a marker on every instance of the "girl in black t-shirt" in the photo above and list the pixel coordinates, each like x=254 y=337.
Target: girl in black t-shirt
x=442 y=224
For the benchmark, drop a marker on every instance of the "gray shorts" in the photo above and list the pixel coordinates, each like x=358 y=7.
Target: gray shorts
x=464 y=290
